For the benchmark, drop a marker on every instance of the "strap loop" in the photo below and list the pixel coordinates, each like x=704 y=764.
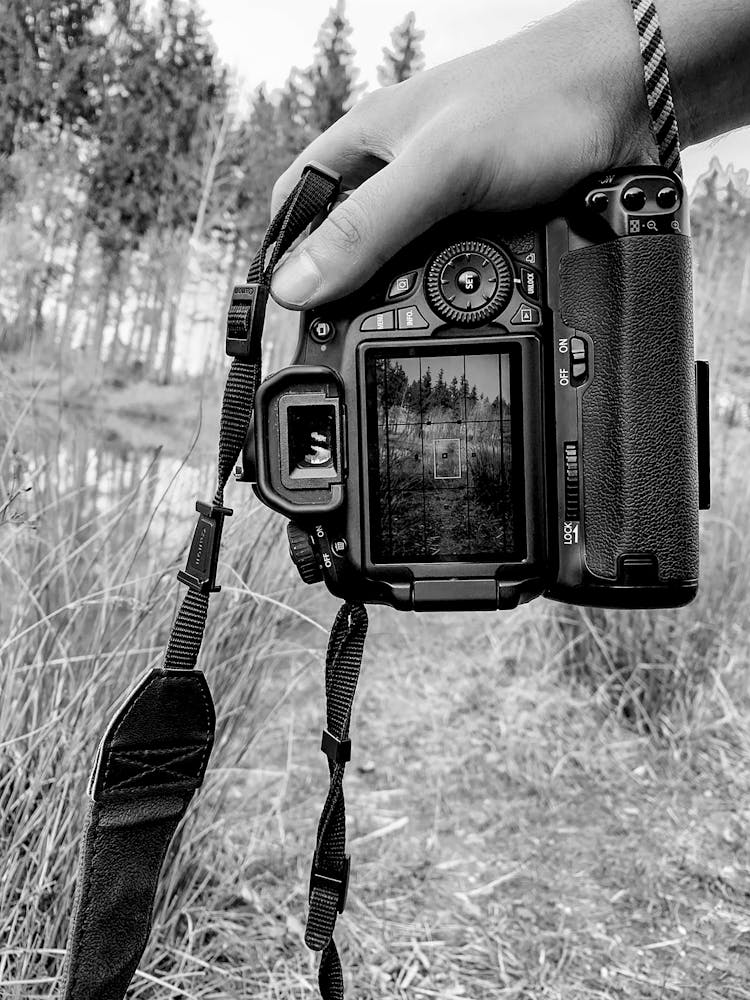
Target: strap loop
x=336 y=750
x=338 y=883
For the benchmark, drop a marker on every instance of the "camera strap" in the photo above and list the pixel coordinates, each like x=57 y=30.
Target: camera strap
x=153 y=755
x=658 y=87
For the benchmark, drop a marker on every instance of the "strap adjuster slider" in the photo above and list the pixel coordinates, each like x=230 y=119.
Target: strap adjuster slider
x=322 y=171
x=336 y=750
x=333 y=883
x=247 y=313
x=200 y=572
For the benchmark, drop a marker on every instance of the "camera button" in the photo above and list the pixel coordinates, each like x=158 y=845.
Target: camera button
x=667 y=198
x=379 y=321
x=527 y=316
x=402 y=285
x=410 y=318
x=634 y=199
x=322 y=331
x=339 y=547
x=529 y=283
x=598 y=201
x=468 y=280
x=578 y=353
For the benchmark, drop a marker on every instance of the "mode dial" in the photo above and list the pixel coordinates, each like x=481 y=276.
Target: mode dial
x=302 y=551
x=469 y=282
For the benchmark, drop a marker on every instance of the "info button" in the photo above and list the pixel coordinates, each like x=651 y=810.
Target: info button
x=410 y=318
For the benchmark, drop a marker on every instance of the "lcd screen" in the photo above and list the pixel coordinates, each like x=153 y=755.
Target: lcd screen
x=445 y=476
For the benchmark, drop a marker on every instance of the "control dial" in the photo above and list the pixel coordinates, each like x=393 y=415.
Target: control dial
x=469 y=282
x=303 y=553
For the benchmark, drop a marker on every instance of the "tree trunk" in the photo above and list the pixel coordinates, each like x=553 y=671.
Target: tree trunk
x=101 y=315
x=116 y=347
x=66 y=332
x=157 y=311
x=169 y=347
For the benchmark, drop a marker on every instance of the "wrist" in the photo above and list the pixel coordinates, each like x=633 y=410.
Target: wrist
x=707 y=46
x=608 y=70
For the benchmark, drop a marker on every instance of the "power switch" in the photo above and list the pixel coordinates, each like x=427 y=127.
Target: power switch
x=579 y=370
x=572 y=488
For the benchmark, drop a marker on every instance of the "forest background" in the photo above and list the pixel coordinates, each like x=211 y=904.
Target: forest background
x=550 y=803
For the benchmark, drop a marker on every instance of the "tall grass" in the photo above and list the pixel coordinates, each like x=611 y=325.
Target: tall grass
x=674 y=674
x=88 y=598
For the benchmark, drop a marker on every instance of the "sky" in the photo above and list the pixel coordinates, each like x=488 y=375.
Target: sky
x=262 y=40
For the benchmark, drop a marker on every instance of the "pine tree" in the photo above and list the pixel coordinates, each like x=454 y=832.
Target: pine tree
x=48 y=58
x=331 y=78
x=406 y=57
x=153 y=132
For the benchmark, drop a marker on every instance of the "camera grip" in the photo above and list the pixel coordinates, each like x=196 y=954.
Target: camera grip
x=633 y=298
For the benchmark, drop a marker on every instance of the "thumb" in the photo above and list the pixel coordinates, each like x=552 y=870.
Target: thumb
x=366 y=229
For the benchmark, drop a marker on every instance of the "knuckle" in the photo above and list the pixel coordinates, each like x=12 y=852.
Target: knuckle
x=347 y=225
x=371 y=127
x=369 y=102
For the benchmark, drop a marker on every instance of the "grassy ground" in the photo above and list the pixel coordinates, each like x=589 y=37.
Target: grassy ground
x=545 y=804
x=510 y=836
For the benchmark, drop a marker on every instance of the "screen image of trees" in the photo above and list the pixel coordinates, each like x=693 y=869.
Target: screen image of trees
x=444 y=459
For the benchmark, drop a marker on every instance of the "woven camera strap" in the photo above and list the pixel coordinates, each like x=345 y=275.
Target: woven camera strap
x=658 y=87
x=154 y=753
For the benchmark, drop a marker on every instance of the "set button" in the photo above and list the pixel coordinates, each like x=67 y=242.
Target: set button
x=468 y=281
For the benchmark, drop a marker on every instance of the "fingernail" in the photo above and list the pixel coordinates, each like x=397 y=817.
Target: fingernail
x=296 y=280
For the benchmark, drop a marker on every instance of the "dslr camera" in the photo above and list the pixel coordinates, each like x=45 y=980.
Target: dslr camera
x=509 y=408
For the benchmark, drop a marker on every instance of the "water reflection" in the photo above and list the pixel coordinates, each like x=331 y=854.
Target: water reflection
x=87 y=485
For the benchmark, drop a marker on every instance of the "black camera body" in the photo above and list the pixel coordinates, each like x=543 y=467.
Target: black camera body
x=509 y=408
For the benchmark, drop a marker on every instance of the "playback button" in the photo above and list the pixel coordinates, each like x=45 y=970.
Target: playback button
x=527 y=316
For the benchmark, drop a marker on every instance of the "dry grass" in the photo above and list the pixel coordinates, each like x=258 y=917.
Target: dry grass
x=545 y=804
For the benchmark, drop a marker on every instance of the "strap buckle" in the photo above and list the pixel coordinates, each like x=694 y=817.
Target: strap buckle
x=336 y=750
x=247 y=313
x=338 y=884
x=200 y=572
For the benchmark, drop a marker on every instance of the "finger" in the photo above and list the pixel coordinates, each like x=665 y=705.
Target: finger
x=356 y=146
x=385 y=213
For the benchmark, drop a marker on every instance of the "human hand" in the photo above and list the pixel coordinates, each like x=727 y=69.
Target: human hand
x=508 y=127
